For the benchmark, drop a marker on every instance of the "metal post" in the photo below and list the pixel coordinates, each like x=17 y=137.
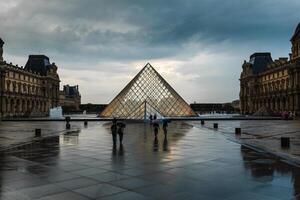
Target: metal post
x=145 y=111
x=68 y=125
x=285 y=142
x=215 y=125
x=238 y=131
x=38 y=132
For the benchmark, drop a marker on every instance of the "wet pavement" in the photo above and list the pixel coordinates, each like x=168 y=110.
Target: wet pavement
x=195 y=162
x=264 y=134
x=13 y=133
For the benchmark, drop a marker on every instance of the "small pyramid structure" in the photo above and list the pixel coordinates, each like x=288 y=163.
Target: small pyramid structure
x=148 y=93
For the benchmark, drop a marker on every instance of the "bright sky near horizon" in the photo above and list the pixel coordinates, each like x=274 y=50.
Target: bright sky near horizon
x=198 y=46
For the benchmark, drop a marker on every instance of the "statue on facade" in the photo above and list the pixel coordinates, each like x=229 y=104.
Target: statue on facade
x=1 y=49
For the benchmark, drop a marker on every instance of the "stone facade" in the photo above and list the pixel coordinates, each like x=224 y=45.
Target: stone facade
x=272 y=85
x=70 y=98
x=28 y=91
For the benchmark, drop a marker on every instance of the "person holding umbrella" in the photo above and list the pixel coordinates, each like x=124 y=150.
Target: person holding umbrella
x=121 y=127
x=165 y=125
x=156 y=127
x=114 y=131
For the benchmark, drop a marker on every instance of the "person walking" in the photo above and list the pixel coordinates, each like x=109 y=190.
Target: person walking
x=114 y=131
x=165 y=125
x=156 y=127
x=151 y=118
x=121 y=127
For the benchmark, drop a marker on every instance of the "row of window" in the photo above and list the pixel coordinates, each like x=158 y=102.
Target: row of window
x=23 y=77
x=265 y=88
x=274 y=75
x=29 y=89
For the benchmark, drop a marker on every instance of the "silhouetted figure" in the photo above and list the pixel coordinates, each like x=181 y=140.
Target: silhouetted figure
x=154 y=117
x=151 y=118
x=114 y=132
x=165 y=127
x=121 y=127
x=156 y=127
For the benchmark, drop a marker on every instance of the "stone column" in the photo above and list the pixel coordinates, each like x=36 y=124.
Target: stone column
x=2 y=88
x=297 y=103
x=281 y=105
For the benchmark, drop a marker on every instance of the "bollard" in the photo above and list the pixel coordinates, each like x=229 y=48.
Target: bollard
x=38 y=132
x=202 y=122
x=68 y=119
x=285 y=142
x=85 y=122
x=68 y=125
x=238 y=131
x=215 y=125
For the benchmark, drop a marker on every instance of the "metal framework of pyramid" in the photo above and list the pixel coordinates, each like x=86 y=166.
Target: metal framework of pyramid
x=147 y=94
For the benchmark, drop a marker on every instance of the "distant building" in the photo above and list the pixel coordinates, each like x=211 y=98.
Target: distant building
x=236 y=105
x=70 y=98
x=93 y=108
x=272 y=85
x=206 y=107
x=203 y=108
x=28 y=91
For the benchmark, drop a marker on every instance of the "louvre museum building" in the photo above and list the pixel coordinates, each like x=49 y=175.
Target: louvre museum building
x=272 y=85
x=28 y=91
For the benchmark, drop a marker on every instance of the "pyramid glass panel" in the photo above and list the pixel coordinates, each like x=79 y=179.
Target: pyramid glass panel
x=147 y=94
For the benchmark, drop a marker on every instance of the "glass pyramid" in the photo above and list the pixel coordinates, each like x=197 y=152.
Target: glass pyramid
x=147 y=94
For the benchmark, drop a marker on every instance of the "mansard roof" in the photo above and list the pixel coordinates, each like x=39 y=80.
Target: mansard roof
x=38 y=63
x=71 y=90
x=260 y=61
x=297 y=31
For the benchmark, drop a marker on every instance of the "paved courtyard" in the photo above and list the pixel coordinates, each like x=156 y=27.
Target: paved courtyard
x=195 y=162
x=264 y=134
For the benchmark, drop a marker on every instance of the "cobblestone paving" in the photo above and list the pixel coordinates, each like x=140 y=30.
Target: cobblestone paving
x=194 y=162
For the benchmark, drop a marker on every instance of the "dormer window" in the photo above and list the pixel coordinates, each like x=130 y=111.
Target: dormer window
x=46 y=62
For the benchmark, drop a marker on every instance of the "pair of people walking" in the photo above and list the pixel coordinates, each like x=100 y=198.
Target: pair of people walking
x=117 y=129
x=156 y=127
x=152 y=118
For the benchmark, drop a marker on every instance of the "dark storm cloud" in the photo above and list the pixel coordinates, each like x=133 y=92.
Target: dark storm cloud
x=141 y=29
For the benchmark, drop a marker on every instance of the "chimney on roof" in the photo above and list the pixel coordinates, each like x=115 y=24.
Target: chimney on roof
x=1 y=49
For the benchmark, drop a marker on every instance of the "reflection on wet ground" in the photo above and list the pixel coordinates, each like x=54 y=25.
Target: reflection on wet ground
x=264 y=134
x=191 y=163
x=14 y=133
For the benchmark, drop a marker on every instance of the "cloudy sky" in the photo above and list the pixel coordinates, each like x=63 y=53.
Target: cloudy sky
x=197 y=45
